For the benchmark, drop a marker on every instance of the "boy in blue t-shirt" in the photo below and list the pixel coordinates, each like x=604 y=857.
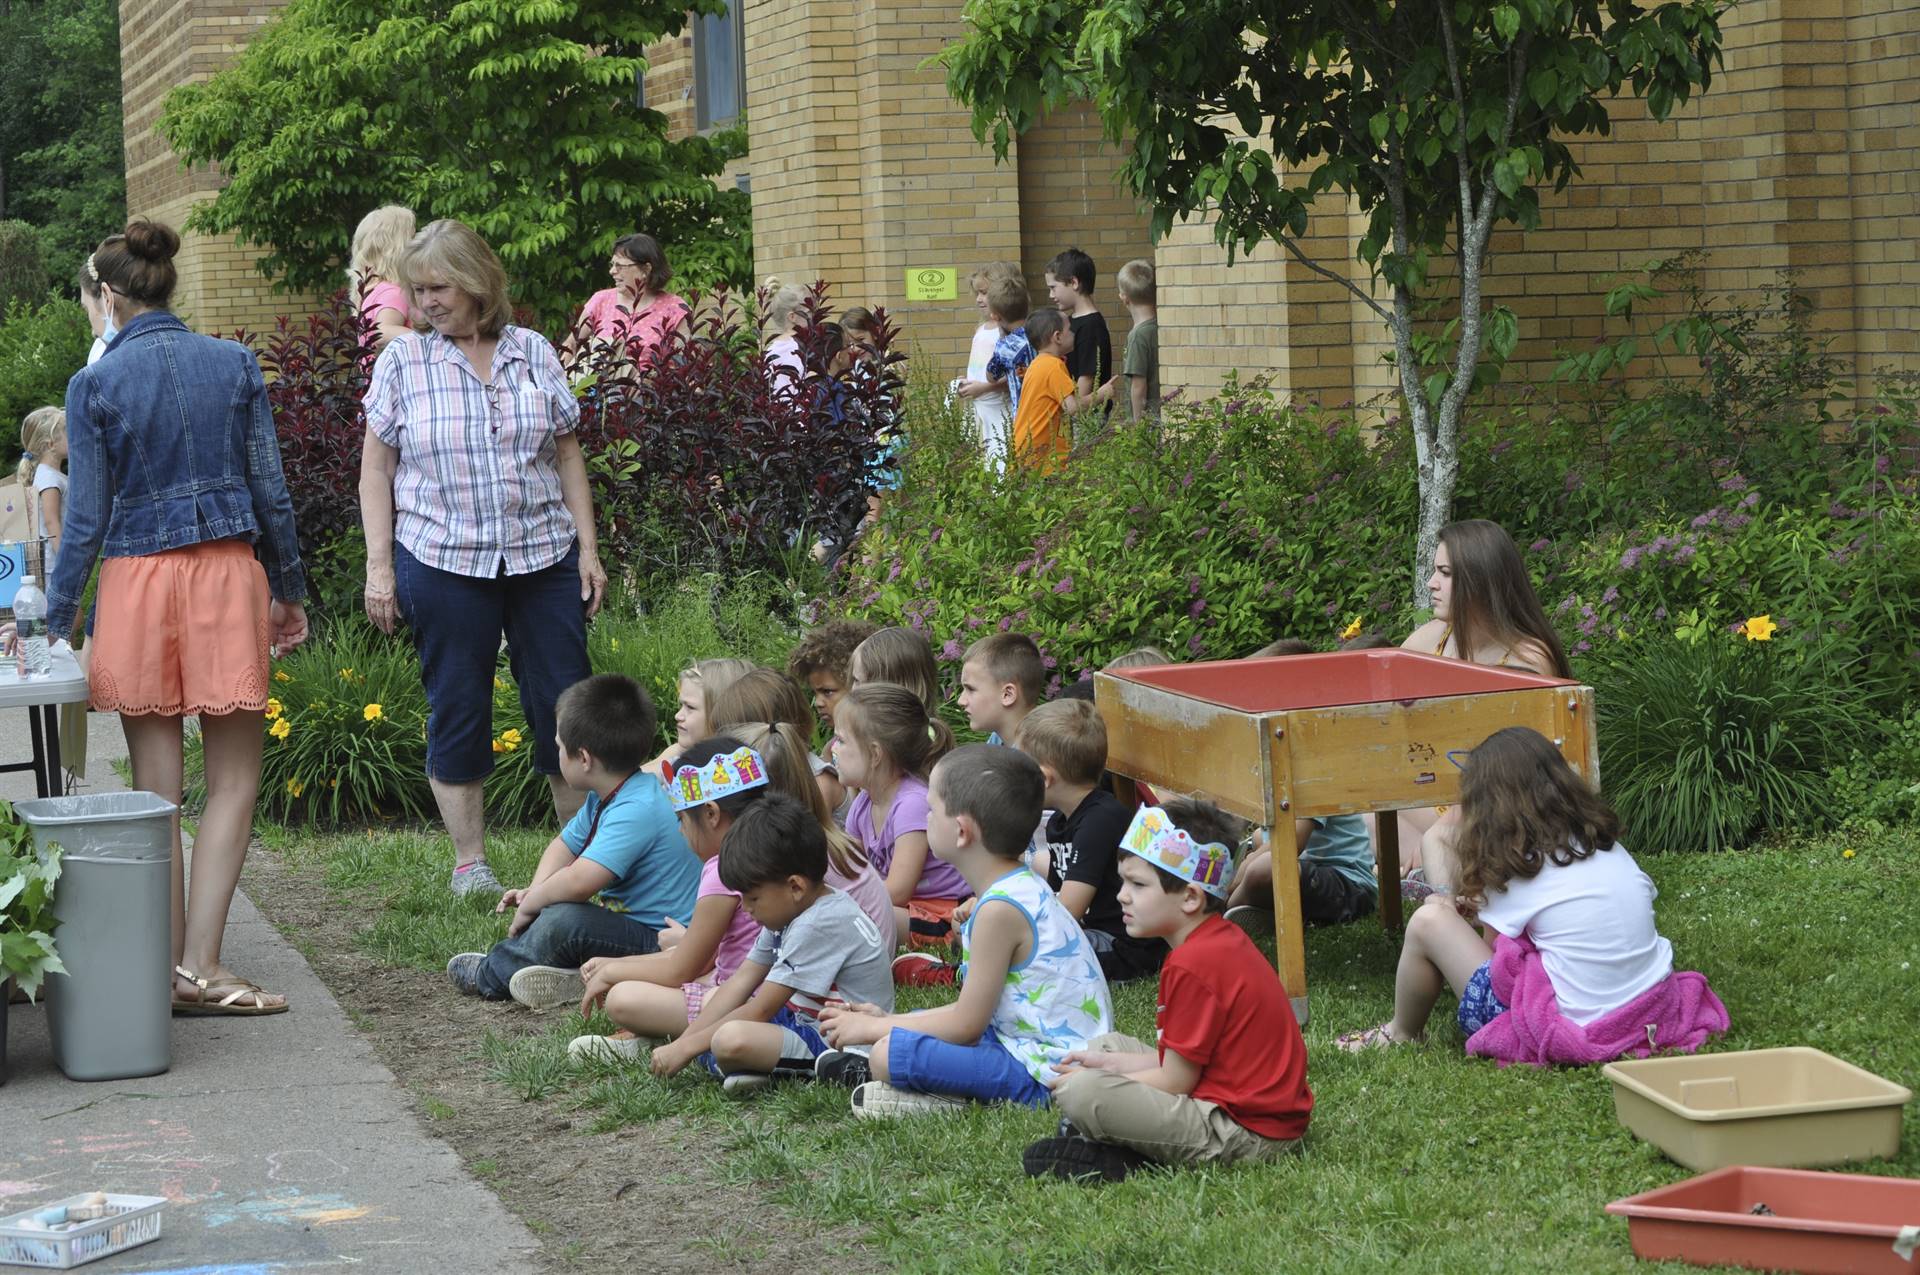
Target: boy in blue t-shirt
x=1337 y=881
x=624 y=843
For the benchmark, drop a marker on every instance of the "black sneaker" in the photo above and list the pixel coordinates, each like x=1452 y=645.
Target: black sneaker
x=1078 y=1159
x=842 y=1067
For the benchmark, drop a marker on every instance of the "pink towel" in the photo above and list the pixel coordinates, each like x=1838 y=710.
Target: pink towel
x=1676 y=1014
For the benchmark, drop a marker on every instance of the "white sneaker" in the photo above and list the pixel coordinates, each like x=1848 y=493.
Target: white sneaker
x=878 y=1100
x=622 y=1046
x=540 y=987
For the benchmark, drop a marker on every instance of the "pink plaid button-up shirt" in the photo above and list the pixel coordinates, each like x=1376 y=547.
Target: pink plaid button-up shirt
x=477 y=489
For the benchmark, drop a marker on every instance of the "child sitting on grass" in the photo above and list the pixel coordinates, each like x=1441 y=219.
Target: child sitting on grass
x=885 y=744
x=1228 y=1078
x=766 y=695
x=700 y=682
x=624 y=842
x=899 y=656
x=815 y=944
x=1579 y=973
x=820 y=663
x=1002 y=678
x=652 y=998
x=1031 y=990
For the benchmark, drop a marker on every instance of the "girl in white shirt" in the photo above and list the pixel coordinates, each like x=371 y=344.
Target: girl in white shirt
x=44 y=436
x=1537 y=854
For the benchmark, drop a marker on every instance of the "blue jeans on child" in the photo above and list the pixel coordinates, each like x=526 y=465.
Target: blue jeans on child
x=1478 y=1005
x=983 y=1071
x=567 y=935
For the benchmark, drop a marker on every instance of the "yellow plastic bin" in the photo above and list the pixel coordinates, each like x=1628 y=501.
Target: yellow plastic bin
x=1785 y=1108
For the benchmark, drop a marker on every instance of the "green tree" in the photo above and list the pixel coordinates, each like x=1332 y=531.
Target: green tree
x=515 y=116
x=1438 y=119
x=62 y=167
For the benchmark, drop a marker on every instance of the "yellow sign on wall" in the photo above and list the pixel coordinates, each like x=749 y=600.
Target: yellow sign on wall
x=931 y=283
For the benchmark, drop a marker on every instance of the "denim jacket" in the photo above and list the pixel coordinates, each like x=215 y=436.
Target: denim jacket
x=170 y=443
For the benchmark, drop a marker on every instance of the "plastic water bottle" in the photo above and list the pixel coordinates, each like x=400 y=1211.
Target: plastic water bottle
x=30 y=629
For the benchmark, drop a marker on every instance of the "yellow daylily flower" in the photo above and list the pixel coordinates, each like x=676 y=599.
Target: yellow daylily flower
x=372 y=712
x=274 y=708
x=1846 y=854
x=1759 y=628
x=295 y=787
x=280 y=729
x=346 y=675
x=499 y=685
x=1351 y=631
x=511 y=737
x=281 y=675
x=499 y=747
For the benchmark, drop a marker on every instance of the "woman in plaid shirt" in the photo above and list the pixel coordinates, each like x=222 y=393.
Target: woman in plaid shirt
x=479 y=524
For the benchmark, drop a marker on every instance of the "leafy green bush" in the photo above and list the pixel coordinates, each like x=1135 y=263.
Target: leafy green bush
x=23 y=263
x=41 y=347
x=1209 y=532
x=27 y=953
x=1709 y=739
x=1882 y=788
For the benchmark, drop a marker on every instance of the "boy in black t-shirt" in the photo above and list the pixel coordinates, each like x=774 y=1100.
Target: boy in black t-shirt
x=1069 y=740
x=1070 y=278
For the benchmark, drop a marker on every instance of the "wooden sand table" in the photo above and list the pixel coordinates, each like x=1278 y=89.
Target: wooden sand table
x=1293 y=737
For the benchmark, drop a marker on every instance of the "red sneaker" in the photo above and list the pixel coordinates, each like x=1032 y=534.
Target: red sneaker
x=918 y=969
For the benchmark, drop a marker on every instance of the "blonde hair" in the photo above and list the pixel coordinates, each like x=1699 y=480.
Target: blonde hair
x=379 y=242
x=37 y=432
x=1068 y=735
x=759 y=695
x=1007 y=298
x=1136 y=281
x=980 y=279
x=453 y=253
x=1140 y=657
x=714 y=676
x=780 y=307
x=784 y=751
x=902 y=657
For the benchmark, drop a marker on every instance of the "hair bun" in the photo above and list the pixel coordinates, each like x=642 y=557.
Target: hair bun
x=152 y=240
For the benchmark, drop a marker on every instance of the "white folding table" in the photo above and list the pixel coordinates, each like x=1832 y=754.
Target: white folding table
x=42 y=698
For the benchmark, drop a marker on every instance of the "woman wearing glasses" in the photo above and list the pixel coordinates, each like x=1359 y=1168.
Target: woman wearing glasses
x=479 y=524
x=637 y=310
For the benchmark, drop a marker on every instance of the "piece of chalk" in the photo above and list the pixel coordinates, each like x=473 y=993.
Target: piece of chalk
x=50 y=1217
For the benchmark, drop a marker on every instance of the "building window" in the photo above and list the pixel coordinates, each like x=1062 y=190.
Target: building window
x=719 y=68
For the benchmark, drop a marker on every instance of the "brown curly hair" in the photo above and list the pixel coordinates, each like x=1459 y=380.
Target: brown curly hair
x=1521 y=805
x=828 y=649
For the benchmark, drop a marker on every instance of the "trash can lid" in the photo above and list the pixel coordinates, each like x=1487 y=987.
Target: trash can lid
x=90 y=808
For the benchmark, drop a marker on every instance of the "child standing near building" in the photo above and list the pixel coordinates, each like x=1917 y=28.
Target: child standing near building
x=1002 y=677
x=1039 y=423
x=1031 y=992
x=815 y=945
x=1140 y=371
x=1009 y=307
x=1068 y=739
x=1070 y=280
x=1228 y=1078
x=625 y=842
x=43 y=439
x=987 y=400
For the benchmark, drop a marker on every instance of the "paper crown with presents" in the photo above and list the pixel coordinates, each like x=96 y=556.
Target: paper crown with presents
x=1153 y=837
x=724 y=776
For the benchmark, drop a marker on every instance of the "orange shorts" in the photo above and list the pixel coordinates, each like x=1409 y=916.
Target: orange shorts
x=929 y=924
x=182 y=632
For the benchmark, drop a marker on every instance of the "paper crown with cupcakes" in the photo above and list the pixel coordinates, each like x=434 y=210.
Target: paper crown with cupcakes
x=1153 y=837
x=723 y=776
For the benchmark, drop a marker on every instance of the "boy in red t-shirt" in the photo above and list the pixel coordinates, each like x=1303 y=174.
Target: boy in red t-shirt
x=1229 y=1081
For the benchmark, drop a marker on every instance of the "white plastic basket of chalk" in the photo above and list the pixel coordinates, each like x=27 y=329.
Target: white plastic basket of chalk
x=78 y=1230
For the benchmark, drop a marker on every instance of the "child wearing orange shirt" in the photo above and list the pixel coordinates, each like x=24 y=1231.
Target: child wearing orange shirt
x=1039 y=426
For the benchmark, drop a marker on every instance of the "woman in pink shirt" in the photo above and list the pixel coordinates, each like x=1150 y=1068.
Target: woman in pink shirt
x=637 y=309
x=378 y=241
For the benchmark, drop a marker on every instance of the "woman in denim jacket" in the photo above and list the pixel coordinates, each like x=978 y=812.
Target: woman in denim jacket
x=176 y=478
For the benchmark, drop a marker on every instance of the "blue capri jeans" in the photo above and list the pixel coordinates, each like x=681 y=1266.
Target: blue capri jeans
x=457 y=622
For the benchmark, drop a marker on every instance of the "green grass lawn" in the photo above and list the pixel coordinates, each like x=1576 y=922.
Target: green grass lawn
x=1417 y=1158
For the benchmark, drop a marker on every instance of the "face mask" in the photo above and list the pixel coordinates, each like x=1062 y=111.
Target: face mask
x=109 y=329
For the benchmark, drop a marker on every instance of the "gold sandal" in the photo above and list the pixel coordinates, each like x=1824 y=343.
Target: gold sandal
x=229 y=1005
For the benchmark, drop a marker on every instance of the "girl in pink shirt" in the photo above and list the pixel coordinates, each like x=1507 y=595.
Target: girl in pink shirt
x=378 y=242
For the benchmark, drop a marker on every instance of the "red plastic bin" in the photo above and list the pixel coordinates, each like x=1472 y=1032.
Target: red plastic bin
x=1819 y=1223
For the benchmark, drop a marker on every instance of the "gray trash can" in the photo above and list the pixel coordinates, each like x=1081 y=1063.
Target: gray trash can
x=110 y=1014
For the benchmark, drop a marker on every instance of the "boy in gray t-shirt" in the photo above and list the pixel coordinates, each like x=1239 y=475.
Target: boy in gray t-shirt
x=816 y=945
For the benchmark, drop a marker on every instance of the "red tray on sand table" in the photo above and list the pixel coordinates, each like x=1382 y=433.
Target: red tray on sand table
x=1351 y=732
x=1780 y=1220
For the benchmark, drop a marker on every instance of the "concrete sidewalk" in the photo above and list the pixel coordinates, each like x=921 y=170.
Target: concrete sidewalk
x=282 y=1143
